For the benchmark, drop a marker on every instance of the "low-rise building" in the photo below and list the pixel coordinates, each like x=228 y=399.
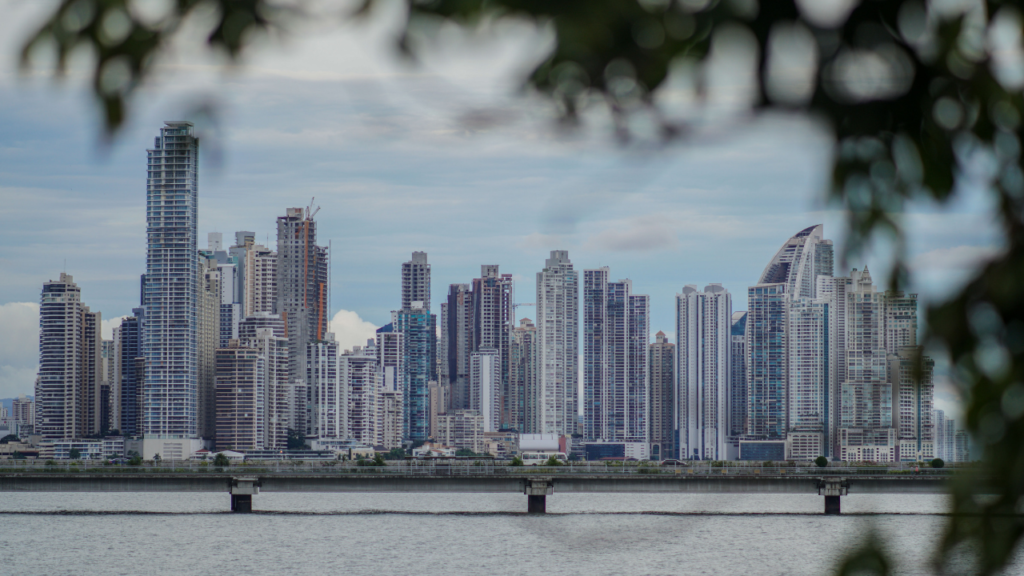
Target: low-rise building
x=430 y=450
x=503 y=444
x=616 y=450
x=110 y=447
x=463 y=429
x=11 y=449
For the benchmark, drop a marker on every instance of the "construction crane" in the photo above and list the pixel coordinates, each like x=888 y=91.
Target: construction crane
x=310 y=211
x=514 y=306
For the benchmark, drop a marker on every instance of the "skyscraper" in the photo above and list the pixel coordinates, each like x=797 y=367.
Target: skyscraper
x=962 y=447
x=792 y=274
x=523 y=375
x=556 y=405
x=259 y=281
x=738 y=375
x=456 y=344
x=615 y=342
x=170 y=333
x=359 y=375
x=265 y=333
x=911 y=376
x=419 y=347
x=23 y=411
x=108 y=351
x=704 y=334
x=767 y=323
x=391 y=366
x=418 y=327
x=328 y=417
x=485 y=387
x=492 y=328
x=834 y=291
x=244 y=239
x=809 y=398
x=229 y=275
x=949 y=440
x=130 y=393
x=799 y=263
x=477 y=316
x=67 y=393
x=939 y=433
x=900 y=320
x=240 y=398
x=416 y=281
x=391 y=358
x=866 y=395
x=662 y=401
x=301 y=286
x=208 y=338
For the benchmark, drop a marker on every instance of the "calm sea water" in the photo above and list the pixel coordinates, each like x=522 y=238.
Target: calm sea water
x=456 y=534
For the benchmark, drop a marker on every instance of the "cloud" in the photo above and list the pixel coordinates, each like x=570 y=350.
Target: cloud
x=108 y=326
x=538 y=241
x=19 y=348
x=351 y=330
x=957 y=257
x=642 y=234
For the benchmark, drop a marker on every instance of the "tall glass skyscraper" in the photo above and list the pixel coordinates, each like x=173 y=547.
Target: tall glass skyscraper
x=768 y=307
x=170 y=346
x=615 y=345
x=418 y=327
x=419 y=347
x=790 y=275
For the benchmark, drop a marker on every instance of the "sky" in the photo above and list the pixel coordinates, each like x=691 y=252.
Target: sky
x=446 y=156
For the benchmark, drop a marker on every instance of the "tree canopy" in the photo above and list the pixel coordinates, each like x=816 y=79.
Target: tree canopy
x=915 y=96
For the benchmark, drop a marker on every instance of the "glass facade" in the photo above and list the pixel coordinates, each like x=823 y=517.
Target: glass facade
x=419 y=338
x=615 y=346
x=768 y=306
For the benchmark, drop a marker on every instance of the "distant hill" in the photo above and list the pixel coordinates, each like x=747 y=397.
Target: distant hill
x=9 y=402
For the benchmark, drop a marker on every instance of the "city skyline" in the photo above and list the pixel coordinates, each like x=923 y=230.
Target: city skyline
x=527 y=314
x=337 y=140
x=829 y=360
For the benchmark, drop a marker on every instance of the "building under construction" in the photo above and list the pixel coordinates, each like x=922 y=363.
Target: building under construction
x=302 y=290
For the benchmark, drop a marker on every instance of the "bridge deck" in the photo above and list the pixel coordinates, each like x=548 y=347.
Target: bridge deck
x=371 y=481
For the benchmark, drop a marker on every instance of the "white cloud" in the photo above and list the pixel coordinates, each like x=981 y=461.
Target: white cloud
x=19 y=348
x=957 y=257
x=540 y=242
x=108 y=326
x=351 y=330
x=642 y=234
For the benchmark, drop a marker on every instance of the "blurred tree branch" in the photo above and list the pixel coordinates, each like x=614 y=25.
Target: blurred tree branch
x=913 y=96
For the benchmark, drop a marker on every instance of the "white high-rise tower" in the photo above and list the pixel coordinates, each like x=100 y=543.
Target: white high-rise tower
x=704 y=334
x=555 y=408
x=170 y=345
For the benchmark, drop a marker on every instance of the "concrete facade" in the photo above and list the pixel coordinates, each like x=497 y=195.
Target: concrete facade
x=555 y=408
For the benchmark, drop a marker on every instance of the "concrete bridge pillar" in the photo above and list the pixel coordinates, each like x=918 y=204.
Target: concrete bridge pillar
x=242 y=491
x=537 y=491
x=832 y=489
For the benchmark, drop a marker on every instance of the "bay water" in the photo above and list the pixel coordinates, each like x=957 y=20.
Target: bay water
x=420 y=534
